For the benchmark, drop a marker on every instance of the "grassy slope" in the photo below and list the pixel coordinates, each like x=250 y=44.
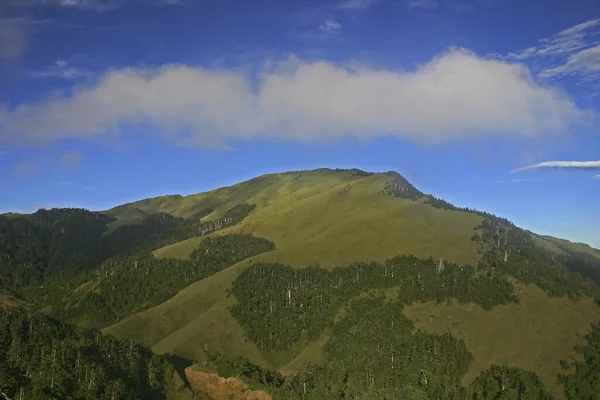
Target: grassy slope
x=197 y=316
x=534 y=334
x=309 y=223
x=569 y=247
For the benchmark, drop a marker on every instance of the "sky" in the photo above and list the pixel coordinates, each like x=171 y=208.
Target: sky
x=488 y=104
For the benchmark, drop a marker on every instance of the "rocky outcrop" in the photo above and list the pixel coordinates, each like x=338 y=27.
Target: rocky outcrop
x=219 y=388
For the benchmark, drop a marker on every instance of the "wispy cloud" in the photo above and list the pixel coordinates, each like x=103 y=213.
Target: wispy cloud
x=62 y=69
x=356 y=4
x=325 y=31
x=102 y=5
x=596 y=177
x=572 y=51
x=25 y=168
x=96 y=5
x=455 y=95
x=582 y=165
x=519 y=180
x=571 y=39
x=585 y=62
x=330 y=26
x=426 y=4
x=72 y=158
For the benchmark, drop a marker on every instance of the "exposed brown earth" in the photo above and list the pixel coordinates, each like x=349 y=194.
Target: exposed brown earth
x=219 y=388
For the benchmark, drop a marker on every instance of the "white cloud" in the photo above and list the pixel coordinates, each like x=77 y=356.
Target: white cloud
x=585 y=165
x=573 y=51
x=427 y=4
x=597 y=177
x=565 y=42
x=61 y=69
x=455 y=95
x=585 y=62
x=577 y=29
x=356 y=4
x=72 y=158
x=330 y=26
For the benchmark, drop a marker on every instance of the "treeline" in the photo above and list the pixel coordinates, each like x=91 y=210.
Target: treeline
x=421 y=367
x=399 y=187
x=62 y=243
x=584 y=384
x=278 y=305
x=502 y=382
x=49 y=243
x=508 y=250
x=126 y=285
x=43 y=358
x=159 y=230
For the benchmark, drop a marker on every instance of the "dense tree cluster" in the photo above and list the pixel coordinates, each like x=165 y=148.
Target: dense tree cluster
x=385 y=363
x=355 y=172
x=508 y=250
x=502 y=382
x=122 y=286
x=46 y=359
x=584 y=384
x=277 y=305
x=49 y=243
x=64 y=243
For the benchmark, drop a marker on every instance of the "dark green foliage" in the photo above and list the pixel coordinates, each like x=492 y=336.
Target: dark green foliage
x=582 y=263
x=356 y=172
x=45 y=359
x=125 y=285
x=380 y=354
x=277 y=305
x=508 y=250
x=374 y=352
x=253 y=375
x=63 y=243
x=584 y=384
x=399 y=187
x=439 y=203
x=502 y=382
x=49 y=243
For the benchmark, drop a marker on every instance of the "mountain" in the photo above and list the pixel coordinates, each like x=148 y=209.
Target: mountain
x=318 y=284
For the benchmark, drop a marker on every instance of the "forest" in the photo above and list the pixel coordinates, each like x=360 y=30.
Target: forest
x=43 y=358
x=70 y=262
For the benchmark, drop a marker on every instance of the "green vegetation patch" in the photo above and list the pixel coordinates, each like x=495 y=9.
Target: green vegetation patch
x=534 y=334
x=130 y=284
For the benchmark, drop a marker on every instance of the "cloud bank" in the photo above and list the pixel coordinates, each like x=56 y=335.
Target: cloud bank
x=584 y=165
x=455 y=95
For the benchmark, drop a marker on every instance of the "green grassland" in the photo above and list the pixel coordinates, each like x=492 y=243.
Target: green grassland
x=335 y=218
x=196 y=317
x=310 y=222
x=534 y=334
x=314 y=220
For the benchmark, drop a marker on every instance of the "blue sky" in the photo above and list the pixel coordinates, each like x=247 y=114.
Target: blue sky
x=104 y=102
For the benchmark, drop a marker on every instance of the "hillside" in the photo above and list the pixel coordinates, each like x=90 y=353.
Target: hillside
x=345 y=282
